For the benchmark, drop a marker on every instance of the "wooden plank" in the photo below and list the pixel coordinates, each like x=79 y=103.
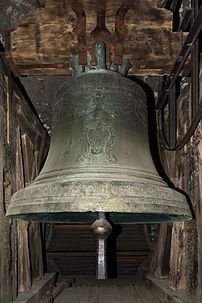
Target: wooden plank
x=109 y=293
x=5 y=226
x=11 y=145
x=138 y=297
x=15 y=252
x=161 y=247
x=28 y=158
x=71 y=295
x=9 y=55
x=88 y=294
x=38 y=290
x=161 y=289
x=30 y=165
x=24 y=268
x=105 y=294
x=54 y=292
x=36 y=250
x=145 y=294
x=200 y=195
x=127 y=295
x=177 y=265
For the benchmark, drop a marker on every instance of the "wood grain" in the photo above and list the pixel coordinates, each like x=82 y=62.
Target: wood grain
x=5 y=227
x=103 y=294
x=20 y=162
x=47 y=38
x=184 y=169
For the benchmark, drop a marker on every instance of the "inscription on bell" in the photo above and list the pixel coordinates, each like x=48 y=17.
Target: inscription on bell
x=98 y=135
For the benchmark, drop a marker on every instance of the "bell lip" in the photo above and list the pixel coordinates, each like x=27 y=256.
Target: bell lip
x=90 y=217
x=94 y=196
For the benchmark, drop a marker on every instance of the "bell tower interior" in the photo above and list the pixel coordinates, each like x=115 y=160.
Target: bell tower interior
x=100 y=151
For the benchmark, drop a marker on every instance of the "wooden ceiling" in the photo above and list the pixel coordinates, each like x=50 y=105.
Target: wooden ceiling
x=48 y=37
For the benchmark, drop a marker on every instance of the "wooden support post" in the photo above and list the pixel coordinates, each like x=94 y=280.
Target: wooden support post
x=177 y=258
x=24 y=273
x=163 y=251
x=5 y=225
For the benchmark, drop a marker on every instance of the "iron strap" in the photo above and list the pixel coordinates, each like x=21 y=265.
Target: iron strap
x=181 y=59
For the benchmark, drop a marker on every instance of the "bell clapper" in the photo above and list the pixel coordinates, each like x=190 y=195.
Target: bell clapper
x=102 y=229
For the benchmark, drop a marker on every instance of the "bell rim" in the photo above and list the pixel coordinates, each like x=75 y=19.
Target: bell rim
x=91 y=196
x=114 y=217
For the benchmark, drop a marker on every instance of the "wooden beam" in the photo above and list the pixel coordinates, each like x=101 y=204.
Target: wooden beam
x=38 y=290
x=178 y=254
x=6 y=265
x=47 y=38
x=161 y=288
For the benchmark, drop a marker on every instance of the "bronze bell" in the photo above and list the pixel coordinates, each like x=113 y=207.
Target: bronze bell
x=99 y=158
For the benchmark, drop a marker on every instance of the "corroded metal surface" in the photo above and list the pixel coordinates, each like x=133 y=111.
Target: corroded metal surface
x=99 y=158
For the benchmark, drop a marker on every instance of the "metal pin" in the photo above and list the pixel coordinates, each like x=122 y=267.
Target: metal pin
x=124 y=68
x=100 y=56
x=76 y=68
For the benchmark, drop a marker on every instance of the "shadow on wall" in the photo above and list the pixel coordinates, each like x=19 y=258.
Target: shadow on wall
x=153 y=142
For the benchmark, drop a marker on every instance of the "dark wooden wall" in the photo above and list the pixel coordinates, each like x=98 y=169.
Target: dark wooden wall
x=23 y=146
x=178 y=256
x=184 y=168
x=71 y=250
